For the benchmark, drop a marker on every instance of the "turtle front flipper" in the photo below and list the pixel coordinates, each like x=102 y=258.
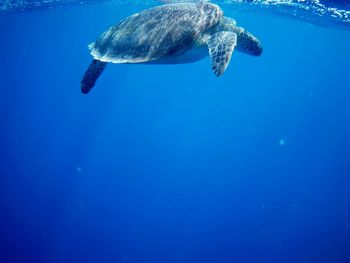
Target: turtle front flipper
x=91 y=75
x=221 y=46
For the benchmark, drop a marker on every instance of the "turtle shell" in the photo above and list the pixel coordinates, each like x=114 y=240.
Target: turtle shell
x=156 y=33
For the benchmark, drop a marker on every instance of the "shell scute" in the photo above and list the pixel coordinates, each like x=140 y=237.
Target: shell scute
x=155 y=33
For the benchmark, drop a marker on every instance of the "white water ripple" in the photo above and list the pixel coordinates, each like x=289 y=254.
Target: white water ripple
x=312 y=11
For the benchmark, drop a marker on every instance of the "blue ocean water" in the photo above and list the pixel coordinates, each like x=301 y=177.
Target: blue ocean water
x=168 y=163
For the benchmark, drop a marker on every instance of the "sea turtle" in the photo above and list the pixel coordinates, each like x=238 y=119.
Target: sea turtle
x=171 y=34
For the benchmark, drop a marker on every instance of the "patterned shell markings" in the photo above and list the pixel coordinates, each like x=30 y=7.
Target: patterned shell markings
x=155 y=33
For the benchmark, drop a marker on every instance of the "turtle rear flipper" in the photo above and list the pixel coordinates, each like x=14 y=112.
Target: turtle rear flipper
x=221 y=46
x=91 y=75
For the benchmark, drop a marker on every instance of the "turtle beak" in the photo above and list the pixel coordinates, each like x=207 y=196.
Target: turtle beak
x=256 y=48
x=259 y=50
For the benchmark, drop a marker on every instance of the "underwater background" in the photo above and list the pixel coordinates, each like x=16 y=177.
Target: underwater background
x=168 y=163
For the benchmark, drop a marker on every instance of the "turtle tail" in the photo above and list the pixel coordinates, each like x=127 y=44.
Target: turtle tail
x=91 y=75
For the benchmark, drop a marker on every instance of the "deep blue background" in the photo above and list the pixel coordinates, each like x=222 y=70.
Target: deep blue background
x=167 y=163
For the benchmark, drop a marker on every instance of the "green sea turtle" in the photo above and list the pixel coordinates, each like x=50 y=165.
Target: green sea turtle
x=171 y=34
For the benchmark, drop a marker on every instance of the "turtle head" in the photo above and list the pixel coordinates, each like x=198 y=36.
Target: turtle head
x=248 y=43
